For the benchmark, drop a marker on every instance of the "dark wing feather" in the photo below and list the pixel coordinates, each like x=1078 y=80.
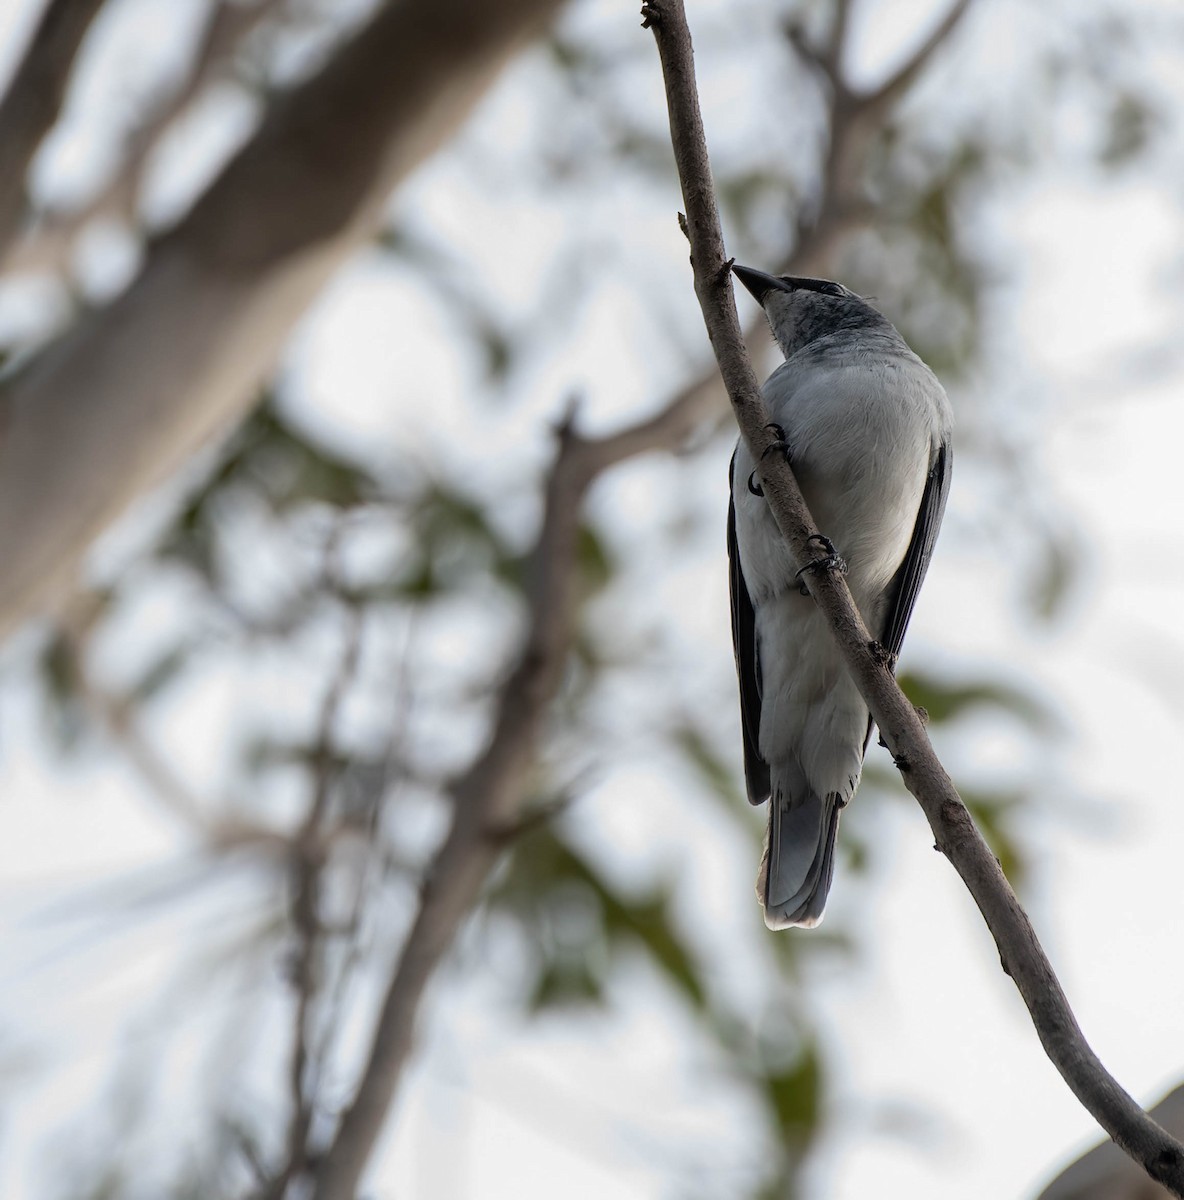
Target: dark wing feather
x=907 y=583
x=908 y=579
x=748 y=667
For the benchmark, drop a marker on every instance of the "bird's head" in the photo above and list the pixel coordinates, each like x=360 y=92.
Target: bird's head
x=800 y=310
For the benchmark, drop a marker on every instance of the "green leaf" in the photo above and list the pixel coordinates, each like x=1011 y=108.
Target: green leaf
x=593 y=559
x=1130 y=124
x=160 y=674
x=794 y=1094
x=945 y=701
x=718 y=776
x=544 y=866
x=571 y=984
x=991 y=812
x=1057 y=570
x=65 y=711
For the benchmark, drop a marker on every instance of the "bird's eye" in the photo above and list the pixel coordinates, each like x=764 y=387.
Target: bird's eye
x=831 y=289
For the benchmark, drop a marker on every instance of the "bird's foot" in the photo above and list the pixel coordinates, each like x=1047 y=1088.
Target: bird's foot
x=779 y=446
x=833 y=561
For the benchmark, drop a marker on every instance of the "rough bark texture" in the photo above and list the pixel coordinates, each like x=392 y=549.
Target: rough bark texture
x=956 y=836
x=130 y=390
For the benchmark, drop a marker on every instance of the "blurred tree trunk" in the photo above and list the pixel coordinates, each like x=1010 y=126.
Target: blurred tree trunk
x=133 y=388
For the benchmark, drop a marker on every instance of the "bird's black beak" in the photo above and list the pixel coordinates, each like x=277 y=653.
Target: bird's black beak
x=759 y=283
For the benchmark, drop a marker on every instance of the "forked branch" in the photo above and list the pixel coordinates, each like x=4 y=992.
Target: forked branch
x=955 y=833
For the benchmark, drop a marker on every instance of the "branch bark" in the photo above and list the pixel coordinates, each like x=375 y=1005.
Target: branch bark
x=956 y=836
x=34 y=99
x=129 y=391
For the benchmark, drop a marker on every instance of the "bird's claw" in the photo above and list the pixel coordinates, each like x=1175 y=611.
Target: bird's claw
x=779 y=445
x=833 y=561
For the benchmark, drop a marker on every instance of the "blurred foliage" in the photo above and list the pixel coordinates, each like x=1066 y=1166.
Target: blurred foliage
x=579 y=922
x=397 y=546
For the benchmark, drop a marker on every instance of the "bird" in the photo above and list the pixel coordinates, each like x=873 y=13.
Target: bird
x=866 y=427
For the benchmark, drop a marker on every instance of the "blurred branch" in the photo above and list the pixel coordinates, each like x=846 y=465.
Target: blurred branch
x=855 y=116
x=308 y=863
x=116 y=715
x=486 y=803
x=899 y=82
x=34 y=99
x=132 y=389
x=217 y=833
x=899 y=723
x=828 y=59
x=47 y=245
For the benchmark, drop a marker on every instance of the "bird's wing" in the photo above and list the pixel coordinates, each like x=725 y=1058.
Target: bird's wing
x=748 y=666
x=907 y=582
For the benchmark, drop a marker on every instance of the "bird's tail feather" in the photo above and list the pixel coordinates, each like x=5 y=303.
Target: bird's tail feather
x=799 y=859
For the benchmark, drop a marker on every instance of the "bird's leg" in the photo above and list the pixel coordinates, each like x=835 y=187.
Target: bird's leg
x=779 y=446
x=832 y=562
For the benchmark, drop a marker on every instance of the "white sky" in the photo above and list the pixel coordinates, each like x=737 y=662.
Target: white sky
x=926 y=1024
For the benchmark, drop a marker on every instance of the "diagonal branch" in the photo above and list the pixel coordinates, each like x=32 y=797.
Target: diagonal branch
x=34 y=99
x=903 y=78
x=1020 y=952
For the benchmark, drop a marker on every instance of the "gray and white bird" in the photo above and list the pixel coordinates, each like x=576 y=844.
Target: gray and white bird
x=866 y=427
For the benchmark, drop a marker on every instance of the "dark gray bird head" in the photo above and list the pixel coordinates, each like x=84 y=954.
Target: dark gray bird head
x=802 y=310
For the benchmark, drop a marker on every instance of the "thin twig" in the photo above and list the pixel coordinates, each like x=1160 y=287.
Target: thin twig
x=308 y=866
x=956 y=836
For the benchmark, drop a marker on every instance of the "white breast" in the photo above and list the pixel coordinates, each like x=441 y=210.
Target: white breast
x=861 y=439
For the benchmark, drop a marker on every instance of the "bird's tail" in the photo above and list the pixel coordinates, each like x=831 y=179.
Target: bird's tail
x=799 y=859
